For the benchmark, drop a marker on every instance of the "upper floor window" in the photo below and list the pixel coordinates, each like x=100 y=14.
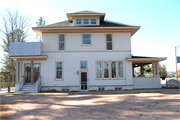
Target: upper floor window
x=86 y=39
x=93 y=21
x=78 y=21
x=86 y=21
x=61 y=42
x=108 y=41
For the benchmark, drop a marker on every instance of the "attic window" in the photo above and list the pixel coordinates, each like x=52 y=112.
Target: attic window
x=93 y=21
x=78 y=21
x=86 y=21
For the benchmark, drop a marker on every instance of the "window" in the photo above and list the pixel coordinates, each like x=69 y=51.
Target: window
x=83 y=65
x=86 y=39
x=99 y=69
x=113 y=69
x=78 y=21
x=59 y=70
x=86 y=21
x=106 y=69
x=93 y=21
x=110 y=69
x=109 y=41
x=61 y=42
x=120 y=69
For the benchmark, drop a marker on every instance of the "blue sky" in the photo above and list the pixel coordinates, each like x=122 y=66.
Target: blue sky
x=159 y=20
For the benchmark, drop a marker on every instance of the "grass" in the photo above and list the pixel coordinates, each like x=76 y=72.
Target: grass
x=53 y=94
x=16 y=95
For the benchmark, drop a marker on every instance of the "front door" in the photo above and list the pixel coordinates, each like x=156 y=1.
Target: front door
x=36 y=73
x=27 y=73
x=83 y=80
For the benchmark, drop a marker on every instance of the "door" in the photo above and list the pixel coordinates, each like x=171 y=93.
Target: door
x=36 y=73
x=36 y=70
x=27 y=73
x=83 y=80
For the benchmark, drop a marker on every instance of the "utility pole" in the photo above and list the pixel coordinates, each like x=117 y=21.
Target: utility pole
x=176 y=47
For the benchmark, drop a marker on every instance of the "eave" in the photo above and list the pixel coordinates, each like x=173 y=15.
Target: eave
x=41 y=57
x=96 y=29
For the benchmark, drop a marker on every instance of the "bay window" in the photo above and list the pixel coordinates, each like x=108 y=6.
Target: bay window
x=110 y=69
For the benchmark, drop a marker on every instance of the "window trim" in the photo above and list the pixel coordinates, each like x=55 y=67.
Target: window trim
x=79 y=24
x=82 y=39
x=117 y=71
x=101 y=70
x=123 y=69
x=62 y=71
x=58 y=42
x=86 y=64
x=96 y=21
x=109 y=69
x=88 y=22
x=106 y=42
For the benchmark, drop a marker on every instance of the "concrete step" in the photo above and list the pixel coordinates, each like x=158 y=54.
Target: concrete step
x=21 y=92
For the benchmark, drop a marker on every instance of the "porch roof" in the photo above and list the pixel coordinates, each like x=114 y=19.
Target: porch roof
x=144 y=59
x=36 y=57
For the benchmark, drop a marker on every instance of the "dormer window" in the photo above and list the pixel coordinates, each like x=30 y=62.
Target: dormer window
x=86 y=21
x=78 y=21
x=93 y=21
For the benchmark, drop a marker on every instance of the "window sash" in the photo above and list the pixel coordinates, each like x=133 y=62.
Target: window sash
x=83 y=65
x=61 y=42
x=106 y=69
x=86 y=21
x=120 y=69
x=93 y=21
x=99 y=69
x=59 y=72
x=78 y=21
x=113 y=69
x=108 y=41
x=86 y=39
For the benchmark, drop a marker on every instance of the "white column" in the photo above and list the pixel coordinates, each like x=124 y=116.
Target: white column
x=157 y=68
x=17 y=72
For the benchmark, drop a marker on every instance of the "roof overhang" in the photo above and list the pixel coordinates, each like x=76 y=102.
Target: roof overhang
x=146 y=60
x=72 y=16
x=41 y=57
x=97 y=29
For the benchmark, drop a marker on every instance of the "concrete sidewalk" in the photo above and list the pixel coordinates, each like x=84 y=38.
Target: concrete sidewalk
x=5 y=90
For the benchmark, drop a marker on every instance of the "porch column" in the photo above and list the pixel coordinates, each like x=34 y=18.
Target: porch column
x=154 y=69
x=157 y=68
x=142 y=70
x=20 y=70
x=133 y=71
x=17 y=72
x=32 y=73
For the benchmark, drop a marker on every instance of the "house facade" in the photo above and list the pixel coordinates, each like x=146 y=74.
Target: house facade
x=84 y=53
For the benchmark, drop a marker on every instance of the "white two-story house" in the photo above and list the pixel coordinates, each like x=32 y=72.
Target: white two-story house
x=84 y=53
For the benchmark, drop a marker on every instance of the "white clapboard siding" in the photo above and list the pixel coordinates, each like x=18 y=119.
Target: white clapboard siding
x=25 y=48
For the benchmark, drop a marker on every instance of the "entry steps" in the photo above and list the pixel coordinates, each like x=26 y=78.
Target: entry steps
x=28 y=89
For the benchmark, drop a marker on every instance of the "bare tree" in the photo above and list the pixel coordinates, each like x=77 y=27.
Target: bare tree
x=14 y=27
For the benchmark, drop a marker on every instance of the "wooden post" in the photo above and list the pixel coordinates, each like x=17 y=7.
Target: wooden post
x=9 y=88
x=32 y=74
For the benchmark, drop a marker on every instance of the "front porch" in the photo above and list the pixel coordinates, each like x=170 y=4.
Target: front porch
x=145 y=79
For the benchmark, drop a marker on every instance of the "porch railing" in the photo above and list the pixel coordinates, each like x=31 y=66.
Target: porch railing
x=21 y=83
x=38 y=84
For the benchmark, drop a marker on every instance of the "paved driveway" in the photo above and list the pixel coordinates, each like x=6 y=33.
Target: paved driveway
x=155 y=105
